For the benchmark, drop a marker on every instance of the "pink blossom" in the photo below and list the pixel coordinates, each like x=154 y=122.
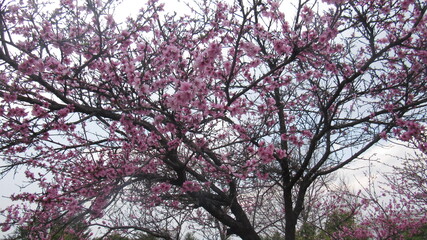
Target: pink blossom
x=282 y=47
x=383 y=135
x=161 y=188
x=65 y=111
x=250 y=49
x=146 y=120
x=207 y=57
x=68 y=3
x=9 y=98
x=190 y=186
x=307 y=14
x=185 y=86
x=17 y=112
x=38 y=111
x=334 y=1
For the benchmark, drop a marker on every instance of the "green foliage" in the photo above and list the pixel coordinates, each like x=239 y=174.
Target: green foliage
x=146 y=237
x=337 y=221
x=58 y=232
x=21 y=233
x=142 y=236
x=420 y=235
x=190 y=236
x=117 y=236
x=307 y=232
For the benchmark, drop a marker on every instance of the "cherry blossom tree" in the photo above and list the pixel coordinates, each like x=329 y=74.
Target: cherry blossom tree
x=224 y=116
x=398 y=209
x=409 y=180
x=392 y=208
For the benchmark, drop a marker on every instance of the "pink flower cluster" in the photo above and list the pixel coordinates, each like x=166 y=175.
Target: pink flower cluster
x=413 y=130
x=250 y=49
x=161 y=188
x=206 y=59
x=266 y=154
x=191 y=186
x=282 y=47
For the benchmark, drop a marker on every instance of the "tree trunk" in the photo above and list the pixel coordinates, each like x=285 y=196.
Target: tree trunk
x=290 y=227
x=290 y=217
x=250 y=236
x=240 y=226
